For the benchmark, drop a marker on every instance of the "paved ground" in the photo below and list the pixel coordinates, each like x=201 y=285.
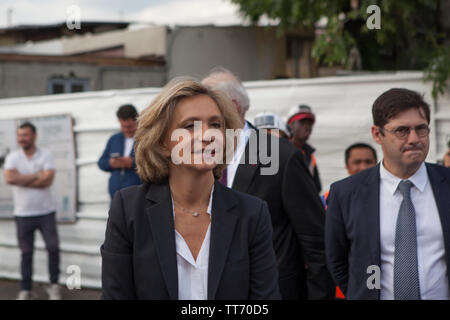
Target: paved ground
x=10 y=288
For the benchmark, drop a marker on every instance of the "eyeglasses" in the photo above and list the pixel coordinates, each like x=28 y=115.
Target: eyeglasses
x=402 y=132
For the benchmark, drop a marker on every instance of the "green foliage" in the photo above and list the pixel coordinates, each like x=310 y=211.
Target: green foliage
x=332 y=47
x=409 y=38
x=438 y=71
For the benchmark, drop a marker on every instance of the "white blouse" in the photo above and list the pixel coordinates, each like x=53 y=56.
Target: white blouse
x=193 y=274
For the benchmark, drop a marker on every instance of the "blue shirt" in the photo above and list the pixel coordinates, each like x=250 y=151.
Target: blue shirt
x=120 y=178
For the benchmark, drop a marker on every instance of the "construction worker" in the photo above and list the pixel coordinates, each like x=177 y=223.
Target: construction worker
x=300 y=123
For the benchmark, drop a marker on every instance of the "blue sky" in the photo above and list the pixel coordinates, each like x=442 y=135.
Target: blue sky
x=170 y=12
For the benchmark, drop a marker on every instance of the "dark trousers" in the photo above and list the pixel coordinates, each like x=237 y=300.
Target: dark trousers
x=26 y=226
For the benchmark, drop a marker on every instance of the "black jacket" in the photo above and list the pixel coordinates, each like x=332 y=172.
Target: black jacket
x=298 y=219
x=139 y=253
x=308 y=152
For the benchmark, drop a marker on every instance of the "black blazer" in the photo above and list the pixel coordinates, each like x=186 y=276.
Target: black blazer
x=298 y=219
x=139 y=254
x=353 y=227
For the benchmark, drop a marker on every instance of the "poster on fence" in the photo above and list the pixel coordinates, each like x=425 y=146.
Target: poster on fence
x=54 y=133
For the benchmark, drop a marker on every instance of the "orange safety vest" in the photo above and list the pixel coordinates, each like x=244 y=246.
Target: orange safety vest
x=325 y=197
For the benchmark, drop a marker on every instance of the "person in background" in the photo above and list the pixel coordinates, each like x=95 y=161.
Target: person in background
x=182 y=234
x=270 y=121
x=387 y=229
x=300 y=123
x=118 y=156
x=358 y=157
x=296 y=211
x=30 y=170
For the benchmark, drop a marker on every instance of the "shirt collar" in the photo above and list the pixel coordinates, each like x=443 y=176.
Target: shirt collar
x=243 y=138
x=209 y=209
x=245 y=133
x=419 y=178
x=36 y=153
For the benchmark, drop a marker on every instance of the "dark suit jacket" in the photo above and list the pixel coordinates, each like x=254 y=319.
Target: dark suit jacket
x=139 y=259
x=353 y=227
x=309 y=151
x=298 y=219
x=119 y=178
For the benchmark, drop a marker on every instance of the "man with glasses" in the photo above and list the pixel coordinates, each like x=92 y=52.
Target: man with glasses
x=388 y=227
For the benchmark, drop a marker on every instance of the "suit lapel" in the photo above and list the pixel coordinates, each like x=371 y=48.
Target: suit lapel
x=370 y=223
x=441 y=192
x=223 y=222
x=160 y=216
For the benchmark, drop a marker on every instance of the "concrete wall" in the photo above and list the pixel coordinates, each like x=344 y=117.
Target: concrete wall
x=21 y=79
x=254 y=53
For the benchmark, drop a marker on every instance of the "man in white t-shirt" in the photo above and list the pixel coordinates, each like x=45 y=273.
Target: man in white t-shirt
x=30 y=170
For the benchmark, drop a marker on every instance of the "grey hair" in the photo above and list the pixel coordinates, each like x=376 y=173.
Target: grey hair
x=233 y=87
x=219 y=69
x=236 y=91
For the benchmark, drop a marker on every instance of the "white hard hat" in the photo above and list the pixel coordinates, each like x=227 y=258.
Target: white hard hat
x=269 y=120
x=299 y=112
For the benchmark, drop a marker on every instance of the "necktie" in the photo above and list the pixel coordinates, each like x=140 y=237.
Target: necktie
x=406 y=273
x=223 y=178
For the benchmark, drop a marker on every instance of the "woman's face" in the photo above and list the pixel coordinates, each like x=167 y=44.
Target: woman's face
x=196 y=134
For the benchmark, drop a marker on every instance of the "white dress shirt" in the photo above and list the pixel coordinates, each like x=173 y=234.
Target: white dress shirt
x=128 y=146
x=193 y=274
x=240 y=148
x=432 y=266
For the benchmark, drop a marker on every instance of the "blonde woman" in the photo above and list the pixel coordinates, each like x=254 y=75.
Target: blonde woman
x=182 y=234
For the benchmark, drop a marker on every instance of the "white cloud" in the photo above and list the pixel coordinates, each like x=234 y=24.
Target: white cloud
x=182 y=12
x=51 y=11
x=192 y=12
x=168 y=12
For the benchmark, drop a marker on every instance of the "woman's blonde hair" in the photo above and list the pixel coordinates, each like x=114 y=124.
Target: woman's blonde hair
x=153 y=123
